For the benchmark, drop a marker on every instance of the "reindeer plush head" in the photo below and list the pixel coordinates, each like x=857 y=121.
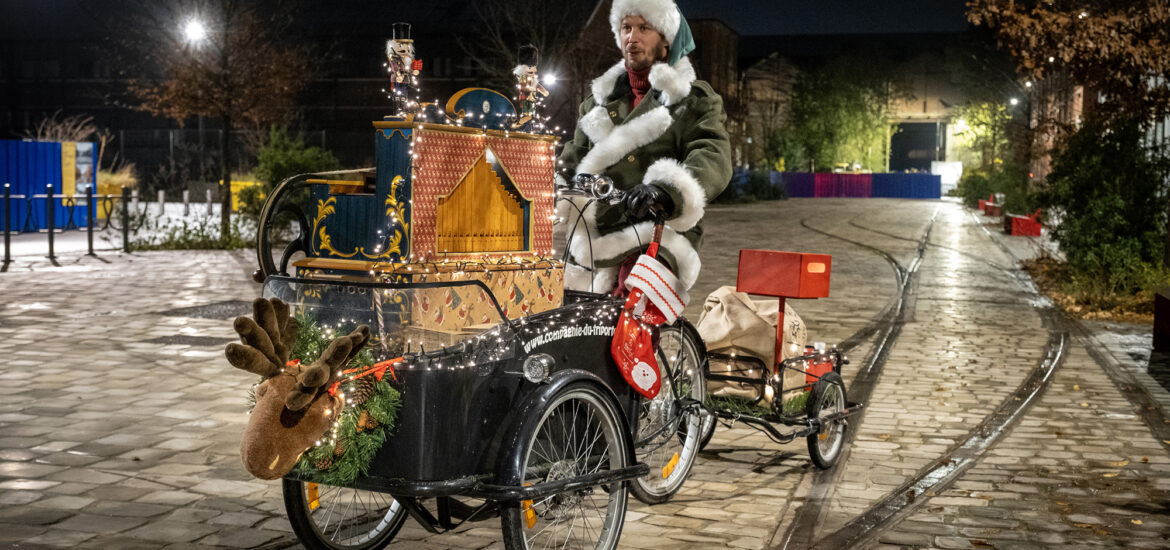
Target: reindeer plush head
x=293 y=406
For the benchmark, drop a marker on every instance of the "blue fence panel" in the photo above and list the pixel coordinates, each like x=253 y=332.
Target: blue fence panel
x=29 y=167
x=907 y=186
x=799 y=184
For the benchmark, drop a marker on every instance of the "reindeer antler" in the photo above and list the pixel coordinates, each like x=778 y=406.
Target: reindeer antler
x=323 y=371
x=267 y=338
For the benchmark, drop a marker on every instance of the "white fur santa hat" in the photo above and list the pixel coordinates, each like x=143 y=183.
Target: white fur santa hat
x=662 y=14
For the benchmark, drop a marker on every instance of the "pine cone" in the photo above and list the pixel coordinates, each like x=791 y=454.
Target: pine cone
x=362 y=389
x=323 y=464
x=366 y=422
x=338 y=449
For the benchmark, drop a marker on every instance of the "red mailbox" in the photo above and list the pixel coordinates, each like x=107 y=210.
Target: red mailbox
x=783 y=275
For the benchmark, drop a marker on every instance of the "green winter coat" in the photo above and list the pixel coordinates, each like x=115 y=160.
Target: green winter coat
x=674 y=138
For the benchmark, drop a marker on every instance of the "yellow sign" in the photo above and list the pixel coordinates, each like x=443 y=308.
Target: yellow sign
x=68 y=168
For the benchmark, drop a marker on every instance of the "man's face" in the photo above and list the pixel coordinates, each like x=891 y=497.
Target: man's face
x=642 y=44
x=402 y=49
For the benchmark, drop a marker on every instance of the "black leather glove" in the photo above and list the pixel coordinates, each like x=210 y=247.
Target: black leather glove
x=643 y=200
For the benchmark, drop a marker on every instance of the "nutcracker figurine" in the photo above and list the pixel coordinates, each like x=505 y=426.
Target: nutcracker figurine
x=403 y=68
x=529 y=91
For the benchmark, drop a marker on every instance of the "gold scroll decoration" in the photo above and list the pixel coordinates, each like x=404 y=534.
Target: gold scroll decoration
x=481 y=214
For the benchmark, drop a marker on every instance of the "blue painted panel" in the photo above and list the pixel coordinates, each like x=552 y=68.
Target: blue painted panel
x=30 y=167
x=798 y=184
x=392 y=157
x=907 y=186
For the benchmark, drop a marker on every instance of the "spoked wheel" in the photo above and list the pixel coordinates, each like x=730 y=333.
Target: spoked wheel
x=671 y=426
x=578 y=433
x=326 y=517
x=827 y=397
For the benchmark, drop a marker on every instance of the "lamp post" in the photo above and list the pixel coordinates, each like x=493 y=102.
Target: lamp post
x=196 y=34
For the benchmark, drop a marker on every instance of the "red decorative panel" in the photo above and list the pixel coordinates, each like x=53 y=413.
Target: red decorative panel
x=442 y=159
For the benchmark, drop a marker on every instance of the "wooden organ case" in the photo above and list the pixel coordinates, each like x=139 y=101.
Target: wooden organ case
x=448 y=203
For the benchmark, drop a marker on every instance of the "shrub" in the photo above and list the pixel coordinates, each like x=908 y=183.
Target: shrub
x=285 y=156
x=759 y=185
x=1109 y=197
x=1008 y=179
x=974 y=188
x=749 y=187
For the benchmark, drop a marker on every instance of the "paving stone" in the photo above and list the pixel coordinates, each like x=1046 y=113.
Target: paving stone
x=174 y=498
x=18 y=533
x=127 y=509
x=29 y=515
x=103 y=525
x=27 y=484
x=63 y=502
x=240 y=538
x=166 y=532
x=60 y=538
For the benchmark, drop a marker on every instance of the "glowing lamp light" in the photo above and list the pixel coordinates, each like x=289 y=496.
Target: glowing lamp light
x=194 y=31
x=549 y=79
x=1014 y=101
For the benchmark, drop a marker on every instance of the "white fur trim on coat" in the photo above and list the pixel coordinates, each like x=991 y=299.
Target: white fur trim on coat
x=624 y=139
x=673 y=81
x=673 y=173
x=663 y=15
x=596 y=124
x=603 y=85
x=629 y=238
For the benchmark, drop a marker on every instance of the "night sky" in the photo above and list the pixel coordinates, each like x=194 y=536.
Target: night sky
x=793 y=17
x=747 y=17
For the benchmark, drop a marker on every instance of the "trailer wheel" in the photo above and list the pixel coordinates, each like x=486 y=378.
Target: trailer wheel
x=827 y=397
x=579 y=432
x=326 y=517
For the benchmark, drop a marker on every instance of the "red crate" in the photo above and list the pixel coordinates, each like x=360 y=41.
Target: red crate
x=784 y=274
x=1022 y=226
x=816 y=370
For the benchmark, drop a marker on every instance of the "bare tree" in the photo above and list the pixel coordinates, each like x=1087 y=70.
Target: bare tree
x=240 y=72
x=574 y=39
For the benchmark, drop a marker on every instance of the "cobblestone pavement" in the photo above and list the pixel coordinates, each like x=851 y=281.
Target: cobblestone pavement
x=121 y=422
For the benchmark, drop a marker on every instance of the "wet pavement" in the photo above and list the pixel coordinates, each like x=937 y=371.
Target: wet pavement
x=121 y=423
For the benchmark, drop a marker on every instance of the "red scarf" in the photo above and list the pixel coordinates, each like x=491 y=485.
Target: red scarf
x=639 y=84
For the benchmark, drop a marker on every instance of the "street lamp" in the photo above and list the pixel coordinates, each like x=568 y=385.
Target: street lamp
x=1014 y=101
x=194 y=31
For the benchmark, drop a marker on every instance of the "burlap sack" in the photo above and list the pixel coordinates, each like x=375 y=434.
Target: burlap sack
x=732 y=322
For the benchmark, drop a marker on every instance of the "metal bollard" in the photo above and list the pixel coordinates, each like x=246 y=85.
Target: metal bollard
x=50 y=210
x=89 y=211
x=126 y=220
x=162 y=202
x=7 y=227
x=209 y=212
x=186 y=203
x=134 y=200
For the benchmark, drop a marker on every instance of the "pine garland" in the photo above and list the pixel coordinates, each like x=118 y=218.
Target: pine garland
x=357 y=447
x=343 y=462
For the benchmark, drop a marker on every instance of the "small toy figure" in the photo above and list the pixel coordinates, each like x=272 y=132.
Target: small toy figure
x=529 y=91
x=403 y=68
